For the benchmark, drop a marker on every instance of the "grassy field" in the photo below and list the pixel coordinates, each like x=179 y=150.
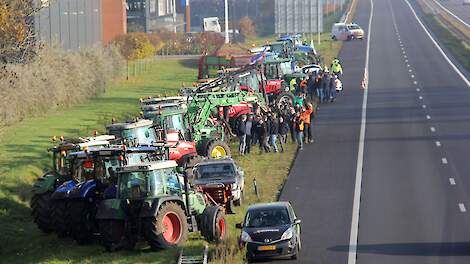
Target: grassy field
x=23 y=158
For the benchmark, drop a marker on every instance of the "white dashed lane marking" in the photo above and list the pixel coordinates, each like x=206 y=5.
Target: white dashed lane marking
x=415 y=82
x=433 y=129
x=424 y=106
x=428 y=117
x=444 y=161
x=412 y=76
x=452 y=181
x=438 y=143
x=420 y=97
x=462 y=208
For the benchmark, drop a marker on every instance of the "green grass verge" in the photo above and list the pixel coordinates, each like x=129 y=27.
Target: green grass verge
x=23 y=158
x=459 y=49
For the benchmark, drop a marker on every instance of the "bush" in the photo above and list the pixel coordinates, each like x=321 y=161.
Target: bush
x=134 y=46
x=55 y=79
x=247 y=29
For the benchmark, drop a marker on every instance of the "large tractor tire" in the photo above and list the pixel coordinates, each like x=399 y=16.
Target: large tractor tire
x=190 y=164
x=284 y=101
x=218 y=149
x=41 y=211
x=82 y=221
x=214 y=224
x=112 y=235
x=168 y=229
x=59 y=217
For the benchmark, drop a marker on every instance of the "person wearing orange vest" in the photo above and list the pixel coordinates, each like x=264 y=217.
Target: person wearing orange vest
x=306 y=117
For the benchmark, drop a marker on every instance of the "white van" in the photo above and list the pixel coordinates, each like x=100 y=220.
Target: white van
x=340 y=32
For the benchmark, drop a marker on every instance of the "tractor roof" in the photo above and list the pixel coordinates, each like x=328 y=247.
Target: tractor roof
x=149 y=166
x=276 y=60
x=168 y=99
x=163 y=106
x=130 y=125
x=113 y=151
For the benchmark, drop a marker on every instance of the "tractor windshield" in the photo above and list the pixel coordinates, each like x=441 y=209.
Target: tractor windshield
x=133 y=185
x=105 y=167
x=251 y=81
x=61 y=163
x=285 y=68
x=221 y=170
x=175 y=122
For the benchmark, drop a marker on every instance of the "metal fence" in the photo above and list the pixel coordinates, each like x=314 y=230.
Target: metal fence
x=72 y=24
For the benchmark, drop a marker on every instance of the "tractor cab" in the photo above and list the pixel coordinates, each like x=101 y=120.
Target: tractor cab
x=155 y=203
x=135 y=133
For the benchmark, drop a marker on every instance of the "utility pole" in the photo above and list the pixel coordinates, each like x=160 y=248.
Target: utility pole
x=174 y=14
x=227 y=40
x=318 y=21
x=188 y=17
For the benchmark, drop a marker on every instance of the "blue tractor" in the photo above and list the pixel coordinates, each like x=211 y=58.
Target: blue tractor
x=84 y=198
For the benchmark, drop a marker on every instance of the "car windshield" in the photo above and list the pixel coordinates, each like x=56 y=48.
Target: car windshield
x=221 y=170
x=267 y=218
x=353 y=27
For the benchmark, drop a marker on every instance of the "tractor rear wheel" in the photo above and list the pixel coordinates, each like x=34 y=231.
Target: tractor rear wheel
x=284 y=100
x=214 y=224
x=168 y=229
x=190 y=164
x=112 y=234
x=59 y=217
x=82 y=221
x=218 y=149
x=41 y=211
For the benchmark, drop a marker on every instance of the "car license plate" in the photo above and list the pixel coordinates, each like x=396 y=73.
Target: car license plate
x=265 y=248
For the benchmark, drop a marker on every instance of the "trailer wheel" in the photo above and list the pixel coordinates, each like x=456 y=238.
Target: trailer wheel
x=284 y=101
x=59 y=217
x=214 y=227
x=218 y=149
x=168 y=229
x=112 y=233
x=82 y=221
x=41 y=211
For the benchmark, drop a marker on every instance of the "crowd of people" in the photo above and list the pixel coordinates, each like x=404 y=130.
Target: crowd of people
x=269 y=129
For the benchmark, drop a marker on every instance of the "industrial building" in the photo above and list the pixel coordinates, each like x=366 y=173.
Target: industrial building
x=75 y=24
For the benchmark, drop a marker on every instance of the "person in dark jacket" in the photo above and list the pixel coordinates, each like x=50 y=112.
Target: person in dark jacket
x=290 y=119
x=273 y=132
x=242 y=135
x=319 y=87
x=248 y=132
x=326 y=86
x=262 y=134
x=283 y=130
x=332 y=87
x=310 y=86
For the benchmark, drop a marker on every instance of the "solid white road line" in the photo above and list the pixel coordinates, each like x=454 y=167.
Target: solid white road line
x=433 y=129
x=467 y=82
x=444 y=161
x=462 y=208
x=452 y=181
x=353 y=238
x=438 y=143
x=452 y=14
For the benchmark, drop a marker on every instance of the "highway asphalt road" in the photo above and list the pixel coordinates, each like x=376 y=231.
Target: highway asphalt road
x=416 y=161
x=457 y=8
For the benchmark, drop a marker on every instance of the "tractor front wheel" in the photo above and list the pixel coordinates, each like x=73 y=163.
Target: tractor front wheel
x=59 y=217
x=218 y=149
x=41 y=211
x=214 y=224
x=168 y=229
x=284 y=101
x=82 y=221
x=112 y=235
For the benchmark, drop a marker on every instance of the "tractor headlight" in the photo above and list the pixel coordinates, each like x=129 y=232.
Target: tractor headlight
x=233 y=186
x=287 y=234
x=245 y=237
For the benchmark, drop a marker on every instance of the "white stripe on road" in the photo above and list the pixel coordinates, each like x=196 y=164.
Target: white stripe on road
x=412 y=76
x=462 y=208
x=444 y=161
x=353 y=239
x=428 y=117
x=467 y=82
x=420 y=97
x=433 y=129
x=424 y=106
x=417 y=89
x=452 y=14
x=452 y=181
x=415 y=82
x=438 y=143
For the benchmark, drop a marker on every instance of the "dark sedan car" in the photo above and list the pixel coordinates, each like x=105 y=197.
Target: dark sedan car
x=270 y=230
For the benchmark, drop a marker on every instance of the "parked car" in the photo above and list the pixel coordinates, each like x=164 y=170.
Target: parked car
x=222 y=181
x=270 y=230
x=340 y=31
x=311 y=68
x=355 y=31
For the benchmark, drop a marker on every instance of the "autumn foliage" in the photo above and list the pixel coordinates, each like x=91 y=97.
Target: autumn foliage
x=247 y=28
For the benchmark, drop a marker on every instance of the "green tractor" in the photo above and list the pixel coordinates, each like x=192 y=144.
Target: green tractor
x=155 y=202
x=44 y=187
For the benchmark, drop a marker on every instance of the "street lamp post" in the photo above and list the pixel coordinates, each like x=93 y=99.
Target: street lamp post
x=227 y=40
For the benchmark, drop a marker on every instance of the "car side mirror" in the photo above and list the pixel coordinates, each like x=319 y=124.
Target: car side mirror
x=238 y=226
x=297 y=221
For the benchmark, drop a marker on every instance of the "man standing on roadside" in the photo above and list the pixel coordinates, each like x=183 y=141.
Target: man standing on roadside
x=242 y=135
x=248 y=130
x=299 y=130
